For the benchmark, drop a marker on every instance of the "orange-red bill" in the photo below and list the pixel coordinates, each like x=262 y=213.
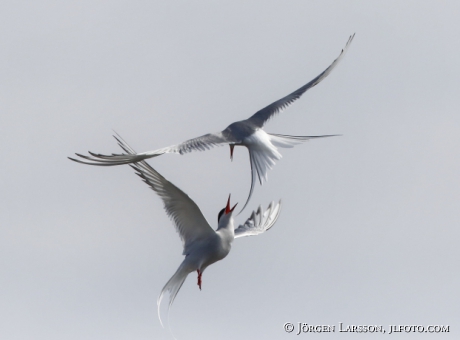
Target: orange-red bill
x=227 y=208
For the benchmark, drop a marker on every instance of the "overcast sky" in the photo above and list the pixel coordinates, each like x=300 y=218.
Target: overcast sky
x=369 y=230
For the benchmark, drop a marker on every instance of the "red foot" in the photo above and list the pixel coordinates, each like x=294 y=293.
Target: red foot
x=199 y=278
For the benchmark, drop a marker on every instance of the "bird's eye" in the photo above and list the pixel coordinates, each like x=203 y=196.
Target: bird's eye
x=220 y=215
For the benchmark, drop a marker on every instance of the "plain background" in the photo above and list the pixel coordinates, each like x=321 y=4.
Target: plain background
x=369 y=231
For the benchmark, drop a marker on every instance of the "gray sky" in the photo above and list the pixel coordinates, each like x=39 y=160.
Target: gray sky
x=369 y=230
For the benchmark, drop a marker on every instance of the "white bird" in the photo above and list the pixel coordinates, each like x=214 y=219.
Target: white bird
x=262 y=146
x=202 y=245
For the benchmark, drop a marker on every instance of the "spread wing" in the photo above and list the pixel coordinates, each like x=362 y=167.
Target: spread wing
x=260 y=221
x=185 y=214
x=201 y=143
x=262 y=116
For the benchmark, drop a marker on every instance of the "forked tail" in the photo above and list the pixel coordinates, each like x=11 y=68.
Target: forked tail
x=261 y=161
x=287 y=141
x=263 y=156
x=172 y=286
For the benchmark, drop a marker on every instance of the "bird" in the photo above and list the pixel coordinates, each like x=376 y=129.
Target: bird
x=262 y=146
x=202 y=245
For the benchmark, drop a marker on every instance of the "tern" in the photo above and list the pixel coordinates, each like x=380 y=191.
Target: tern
x=202 y=245
x=262 y=146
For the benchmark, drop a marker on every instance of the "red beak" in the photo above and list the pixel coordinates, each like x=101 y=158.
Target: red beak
x=227 y=208
x=231 y=151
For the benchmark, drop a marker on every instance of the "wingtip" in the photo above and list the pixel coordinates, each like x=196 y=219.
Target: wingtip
x=351 y=38
x=80 y=161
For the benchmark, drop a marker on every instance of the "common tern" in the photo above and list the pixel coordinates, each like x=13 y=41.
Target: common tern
x=262 y=146
x=202 y=245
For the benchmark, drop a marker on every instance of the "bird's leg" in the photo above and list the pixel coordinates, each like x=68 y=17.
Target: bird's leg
x=231 y=151
x=199 y=278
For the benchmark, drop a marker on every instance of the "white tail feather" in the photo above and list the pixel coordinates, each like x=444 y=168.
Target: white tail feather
x=287 y=141
x=172 y=286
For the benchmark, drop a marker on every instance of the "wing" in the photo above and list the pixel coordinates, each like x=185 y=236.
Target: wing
x=187 y=217
x=259 y=221
x=201 y=143
x=262 y=116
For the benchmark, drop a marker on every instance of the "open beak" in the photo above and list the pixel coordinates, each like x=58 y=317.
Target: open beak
x=227 y=208
x=231 y=151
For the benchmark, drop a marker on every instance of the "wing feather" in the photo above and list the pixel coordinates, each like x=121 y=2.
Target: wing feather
x=183 y=211
x=262 y=116
x=201 y=143
x=259 y=221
